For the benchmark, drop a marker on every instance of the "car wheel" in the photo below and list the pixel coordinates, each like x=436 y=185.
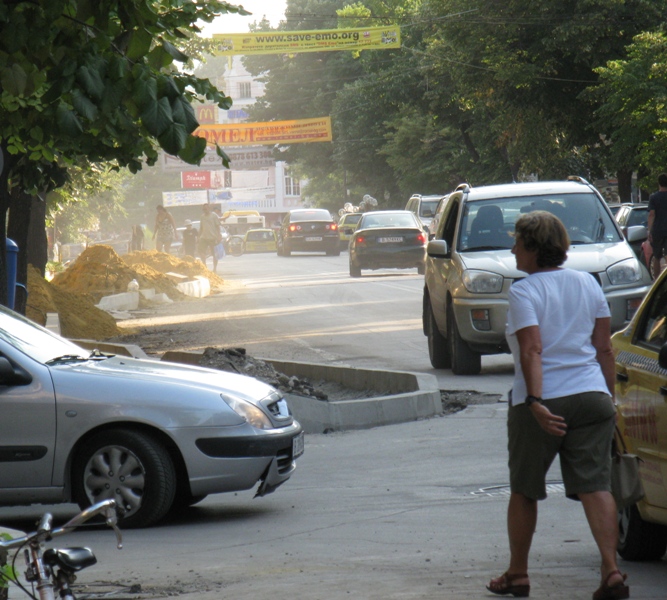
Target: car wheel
x=183 y=500
x=130 y=467
x=639 y=539
x=438 y=350
x=335 y=252
x=421 y=269
x=354 y=270
x=287 y=251
x=464 y=360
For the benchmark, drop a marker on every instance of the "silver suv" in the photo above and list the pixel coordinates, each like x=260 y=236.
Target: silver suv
x=470 y=266
x=423 y=207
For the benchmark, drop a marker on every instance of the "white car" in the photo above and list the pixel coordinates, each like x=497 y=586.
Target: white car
x=84 y=427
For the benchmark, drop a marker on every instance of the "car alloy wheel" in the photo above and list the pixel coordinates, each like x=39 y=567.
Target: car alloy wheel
x=130 y=467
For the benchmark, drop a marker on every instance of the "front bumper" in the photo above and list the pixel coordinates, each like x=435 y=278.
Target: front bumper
x=237 y=458
x=494 y=342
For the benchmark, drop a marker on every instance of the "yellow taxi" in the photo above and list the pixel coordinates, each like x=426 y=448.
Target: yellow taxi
x=259 y=240
x=346 y=226
x=641 y=395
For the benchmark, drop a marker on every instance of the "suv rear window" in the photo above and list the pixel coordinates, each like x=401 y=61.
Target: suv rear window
x=310 y=215
x=488 y=224
x=427 y=208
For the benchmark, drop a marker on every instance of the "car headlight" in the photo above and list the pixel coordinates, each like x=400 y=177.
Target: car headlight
x=624 y=272
x=252 y=414
x=482 y=282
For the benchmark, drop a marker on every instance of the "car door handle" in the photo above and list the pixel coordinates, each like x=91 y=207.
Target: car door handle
x=622 y=377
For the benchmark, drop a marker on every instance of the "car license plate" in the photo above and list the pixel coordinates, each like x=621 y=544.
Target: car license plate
x=313 y=239
x=297 y=446
x=390 y=240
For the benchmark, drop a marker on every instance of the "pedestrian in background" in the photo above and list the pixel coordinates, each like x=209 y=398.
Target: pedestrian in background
x=209 y=234
x=165 y=229
x=657 y=222
x=190 y=237
x=561 y=402
x=137 y=241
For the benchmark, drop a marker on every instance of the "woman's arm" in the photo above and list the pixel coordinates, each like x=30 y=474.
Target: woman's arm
x=604 y=353
x=530 y=355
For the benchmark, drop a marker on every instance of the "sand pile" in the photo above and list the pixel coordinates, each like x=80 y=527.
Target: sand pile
x=99 y=271
x=168 y=263
x=79 y=317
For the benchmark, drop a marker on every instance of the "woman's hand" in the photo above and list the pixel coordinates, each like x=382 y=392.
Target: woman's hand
x=552 y=424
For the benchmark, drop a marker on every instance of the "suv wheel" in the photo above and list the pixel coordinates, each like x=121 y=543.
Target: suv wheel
x=639 y=539
x=464 y=360
x=355 y=271
x=438 y=349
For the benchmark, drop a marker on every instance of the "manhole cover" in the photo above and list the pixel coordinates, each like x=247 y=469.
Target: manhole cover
x=553 y=487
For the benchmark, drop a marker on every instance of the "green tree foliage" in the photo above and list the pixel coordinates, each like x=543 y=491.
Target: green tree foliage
x=633 y=104
x=95 y=81
x=481 y=91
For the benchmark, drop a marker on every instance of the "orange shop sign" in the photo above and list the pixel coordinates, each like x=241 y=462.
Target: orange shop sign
x=271 y=132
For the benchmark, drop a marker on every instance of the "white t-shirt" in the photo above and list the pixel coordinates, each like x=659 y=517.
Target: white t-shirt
x=564 y=304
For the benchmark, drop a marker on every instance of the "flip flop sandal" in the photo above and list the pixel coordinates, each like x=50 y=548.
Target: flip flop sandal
x=505 y=585
x=618 y=591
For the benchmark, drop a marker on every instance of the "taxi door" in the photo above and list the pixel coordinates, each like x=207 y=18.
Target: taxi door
x=641 y=395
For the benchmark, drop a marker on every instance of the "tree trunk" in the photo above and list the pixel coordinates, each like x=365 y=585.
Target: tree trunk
x=624 y=185
x=27 y=215
x=5 y=202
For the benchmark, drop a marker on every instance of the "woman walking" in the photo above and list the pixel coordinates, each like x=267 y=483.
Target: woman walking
x=165 y=229
x=562 y=399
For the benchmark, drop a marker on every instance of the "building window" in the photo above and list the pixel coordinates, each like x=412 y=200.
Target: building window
x=292 y=186
x=244 y=90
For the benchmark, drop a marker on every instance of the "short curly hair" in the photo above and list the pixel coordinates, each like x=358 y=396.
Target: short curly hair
x=543 y=231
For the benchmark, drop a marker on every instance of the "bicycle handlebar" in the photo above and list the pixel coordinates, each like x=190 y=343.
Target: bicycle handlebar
x=44 y=531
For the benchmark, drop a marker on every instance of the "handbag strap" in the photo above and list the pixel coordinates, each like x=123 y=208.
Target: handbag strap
x=620 y=439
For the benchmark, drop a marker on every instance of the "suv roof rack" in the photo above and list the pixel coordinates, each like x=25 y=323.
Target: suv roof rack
x=577 y=178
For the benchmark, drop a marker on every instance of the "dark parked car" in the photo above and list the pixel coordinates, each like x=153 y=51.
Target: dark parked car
x=83 y=427
x=308 y=230
x=393 y=239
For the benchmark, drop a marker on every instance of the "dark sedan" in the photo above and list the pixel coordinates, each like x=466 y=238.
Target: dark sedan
x=390 y=239
x=308 y=230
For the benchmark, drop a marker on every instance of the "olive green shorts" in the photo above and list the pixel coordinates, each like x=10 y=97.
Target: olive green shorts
x=584 y=451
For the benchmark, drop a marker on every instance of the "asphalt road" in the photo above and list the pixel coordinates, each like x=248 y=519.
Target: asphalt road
x=410 y=511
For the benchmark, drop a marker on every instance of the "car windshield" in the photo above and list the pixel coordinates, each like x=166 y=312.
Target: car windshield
x=35 y=341
x=310 y=215
x=488 y=224
x=371 y=221
x=427 y=207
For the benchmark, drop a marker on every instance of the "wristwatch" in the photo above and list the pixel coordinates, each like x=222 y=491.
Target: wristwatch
x=530 y=399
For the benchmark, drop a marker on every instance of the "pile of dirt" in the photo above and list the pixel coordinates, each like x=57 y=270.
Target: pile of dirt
x=79 y=317
x=235 y=360
x=99 y=271
x=168 y=263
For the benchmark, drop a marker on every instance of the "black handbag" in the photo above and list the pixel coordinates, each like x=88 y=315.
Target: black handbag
x=626 y=485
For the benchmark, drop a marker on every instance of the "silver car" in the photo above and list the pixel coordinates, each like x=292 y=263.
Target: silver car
x=84 y=427
x=470 y=266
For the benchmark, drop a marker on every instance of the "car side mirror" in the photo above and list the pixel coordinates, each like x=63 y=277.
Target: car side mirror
x=662 y=356
x=437 y=249
x=636 y=233
x=10 y=375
